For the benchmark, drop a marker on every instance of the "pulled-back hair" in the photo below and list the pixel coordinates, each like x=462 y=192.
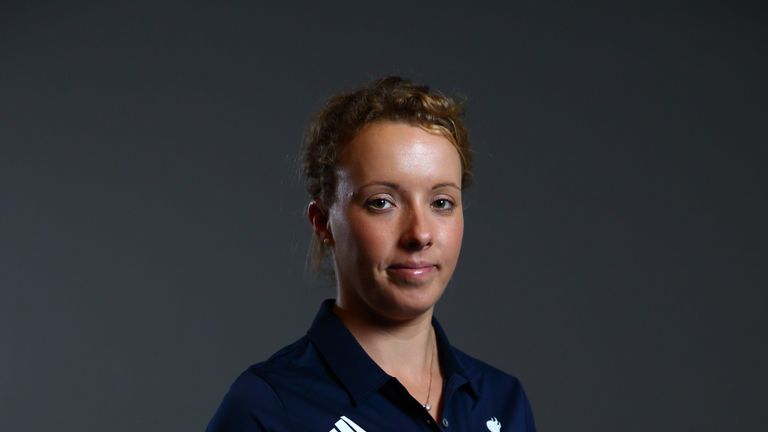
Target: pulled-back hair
x=388 y=99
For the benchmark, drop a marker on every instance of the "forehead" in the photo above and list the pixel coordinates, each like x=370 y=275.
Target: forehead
x=400 y=151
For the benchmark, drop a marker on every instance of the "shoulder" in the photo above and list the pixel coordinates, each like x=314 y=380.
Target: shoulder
x=253 y=401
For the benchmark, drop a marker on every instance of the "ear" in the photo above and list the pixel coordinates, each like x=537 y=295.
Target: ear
x=318 y=218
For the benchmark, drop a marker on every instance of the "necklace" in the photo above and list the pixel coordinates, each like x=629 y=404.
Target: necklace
x=427 y=405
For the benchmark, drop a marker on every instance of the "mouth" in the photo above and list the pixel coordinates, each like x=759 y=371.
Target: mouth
x=412 y=271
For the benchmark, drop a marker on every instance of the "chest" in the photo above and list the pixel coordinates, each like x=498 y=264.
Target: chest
x=391 y=408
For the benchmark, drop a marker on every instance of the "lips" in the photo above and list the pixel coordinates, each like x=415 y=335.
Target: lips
x=412 y=270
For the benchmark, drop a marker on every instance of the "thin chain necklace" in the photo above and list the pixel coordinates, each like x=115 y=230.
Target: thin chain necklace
x=427 y=405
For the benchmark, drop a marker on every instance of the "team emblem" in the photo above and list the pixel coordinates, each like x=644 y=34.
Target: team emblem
x=493 y=425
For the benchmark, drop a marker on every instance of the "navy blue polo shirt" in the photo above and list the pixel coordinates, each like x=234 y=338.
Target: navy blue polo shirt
x=325 y=381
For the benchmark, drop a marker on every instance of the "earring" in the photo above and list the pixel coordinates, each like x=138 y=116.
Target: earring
x=326 y=241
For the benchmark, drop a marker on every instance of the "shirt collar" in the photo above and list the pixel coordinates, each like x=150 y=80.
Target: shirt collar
x=453 y=368
x=358 y=373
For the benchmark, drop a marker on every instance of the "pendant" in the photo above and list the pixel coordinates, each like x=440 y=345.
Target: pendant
x=427 y=406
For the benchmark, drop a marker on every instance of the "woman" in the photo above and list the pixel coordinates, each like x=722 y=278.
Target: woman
x=385 y=168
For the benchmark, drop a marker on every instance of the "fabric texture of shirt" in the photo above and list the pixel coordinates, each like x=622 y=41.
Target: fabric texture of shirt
x=325 y=382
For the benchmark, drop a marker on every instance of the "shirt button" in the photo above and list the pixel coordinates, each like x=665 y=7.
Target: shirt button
x=445 y=422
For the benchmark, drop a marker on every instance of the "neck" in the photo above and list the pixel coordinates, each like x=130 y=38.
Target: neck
x=404 y=349
x=400 y=348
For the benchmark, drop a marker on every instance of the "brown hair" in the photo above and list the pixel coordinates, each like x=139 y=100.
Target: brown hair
x=388 y=99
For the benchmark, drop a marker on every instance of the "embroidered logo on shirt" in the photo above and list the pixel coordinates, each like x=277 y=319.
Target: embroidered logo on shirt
x=346 y=425
x=493 y=425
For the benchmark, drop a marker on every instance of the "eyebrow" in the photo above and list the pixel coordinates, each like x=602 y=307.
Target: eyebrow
x=449 y=184
x=395 y=186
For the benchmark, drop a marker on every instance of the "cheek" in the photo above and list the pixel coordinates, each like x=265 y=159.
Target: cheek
x=370 y=240
x=362 y=238
x=454 y=233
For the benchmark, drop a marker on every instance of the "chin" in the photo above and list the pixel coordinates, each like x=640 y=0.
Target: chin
x=406 y=303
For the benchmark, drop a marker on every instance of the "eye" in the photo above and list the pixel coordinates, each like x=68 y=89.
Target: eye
x=443 y=204
x=379 y=204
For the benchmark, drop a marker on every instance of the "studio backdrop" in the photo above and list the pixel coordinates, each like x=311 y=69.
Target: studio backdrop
x=153 y=241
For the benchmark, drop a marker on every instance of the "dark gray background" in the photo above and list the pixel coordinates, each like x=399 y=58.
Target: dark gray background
x=152 y=238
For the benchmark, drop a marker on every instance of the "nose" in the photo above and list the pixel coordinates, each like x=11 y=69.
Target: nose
x=417 y=232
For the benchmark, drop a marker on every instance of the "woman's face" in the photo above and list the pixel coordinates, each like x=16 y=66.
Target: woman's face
x=397 y=221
